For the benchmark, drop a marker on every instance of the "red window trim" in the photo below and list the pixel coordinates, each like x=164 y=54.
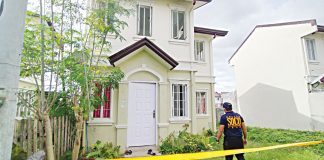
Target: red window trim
x=103 y=111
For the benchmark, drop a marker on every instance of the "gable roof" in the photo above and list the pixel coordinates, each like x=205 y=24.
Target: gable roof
x=312 y=22
x=139 y=44
x=213 y=32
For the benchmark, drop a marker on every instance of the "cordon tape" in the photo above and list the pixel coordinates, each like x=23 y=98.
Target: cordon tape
x=215 y=154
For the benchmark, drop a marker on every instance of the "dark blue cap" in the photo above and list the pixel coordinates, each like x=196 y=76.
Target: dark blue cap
x=227 y=105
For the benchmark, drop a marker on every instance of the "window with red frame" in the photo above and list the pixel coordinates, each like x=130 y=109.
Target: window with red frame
x=103 y=109
x=201 y=98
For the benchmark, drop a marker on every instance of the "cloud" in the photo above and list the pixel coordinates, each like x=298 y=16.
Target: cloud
x=240 y=17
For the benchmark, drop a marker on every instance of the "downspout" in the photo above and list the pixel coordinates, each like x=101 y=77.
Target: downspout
x=192 y=74
x=87 y=142
x=212 y=90
x=213 y=109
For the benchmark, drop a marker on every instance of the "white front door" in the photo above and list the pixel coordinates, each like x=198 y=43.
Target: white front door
x=141 y=114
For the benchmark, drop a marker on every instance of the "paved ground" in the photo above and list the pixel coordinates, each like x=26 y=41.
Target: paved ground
x=142 y=151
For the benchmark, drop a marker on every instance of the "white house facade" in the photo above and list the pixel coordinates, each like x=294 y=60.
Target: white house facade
x=169 y=78
x=279 y=76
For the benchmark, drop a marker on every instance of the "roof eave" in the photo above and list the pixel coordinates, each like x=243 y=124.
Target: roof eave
x=208 y=31
x=320 y=28
x=139 y=44
x=194 y=2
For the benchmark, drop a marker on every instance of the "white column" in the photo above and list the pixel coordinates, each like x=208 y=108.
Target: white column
x=193 y=103
x=12 y=22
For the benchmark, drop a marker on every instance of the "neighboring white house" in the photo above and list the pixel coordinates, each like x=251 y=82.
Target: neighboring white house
x=218 y=100
x=223 y=97
x=279 y=76
x=26 y=86
x=169 y=78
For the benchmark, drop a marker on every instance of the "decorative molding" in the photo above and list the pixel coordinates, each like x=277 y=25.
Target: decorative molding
x=146 y=2
x=163 y=125
x=143 y=68
x=206 y=76
x=178 y=79
x=123 y=82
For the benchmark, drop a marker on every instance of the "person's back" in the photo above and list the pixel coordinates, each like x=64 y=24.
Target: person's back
x=232 y=124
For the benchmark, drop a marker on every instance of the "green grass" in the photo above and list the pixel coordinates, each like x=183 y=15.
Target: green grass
x=259 y=137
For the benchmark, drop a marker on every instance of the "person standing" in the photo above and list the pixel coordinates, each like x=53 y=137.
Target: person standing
x=233 y=127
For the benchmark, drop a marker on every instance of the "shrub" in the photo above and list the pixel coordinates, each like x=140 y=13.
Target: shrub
x=17 y=153
x=209 y=133
x=185 y=142
x=103 y=150
x=66 y=156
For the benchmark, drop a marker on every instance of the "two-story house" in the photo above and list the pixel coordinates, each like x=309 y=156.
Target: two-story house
x=169 y=77
x=279 y=76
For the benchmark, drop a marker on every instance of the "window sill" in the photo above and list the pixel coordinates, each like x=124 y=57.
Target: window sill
x=179 y=120
x=314 y=62
x=179 y=42
x=100 y=121
x=121 y=126
x=201 y=62
x=137 y=38
x=111 y=36
x=202 y=116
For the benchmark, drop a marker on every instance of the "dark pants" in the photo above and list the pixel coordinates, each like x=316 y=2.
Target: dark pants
x=233 y=143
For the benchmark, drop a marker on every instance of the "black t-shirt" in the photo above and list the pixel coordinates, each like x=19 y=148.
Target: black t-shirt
x=233 y=124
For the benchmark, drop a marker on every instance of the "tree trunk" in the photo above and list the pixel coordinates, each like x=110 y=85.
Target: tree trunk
x=48 y=138
x=79 y=131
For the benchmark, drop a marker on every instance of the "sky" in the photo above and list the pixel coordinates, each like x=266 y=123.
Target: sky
x=239 y=17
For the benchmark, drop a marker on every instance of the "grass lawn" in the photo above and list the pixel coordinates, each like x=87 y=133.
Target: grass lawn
x=258 y=137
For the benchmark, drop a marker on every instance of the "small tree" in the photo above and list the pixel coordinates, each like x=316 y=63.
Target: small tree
x=66 y=47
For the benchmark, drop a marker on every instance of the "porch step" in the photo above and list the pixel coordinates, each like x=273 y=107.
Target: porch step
x=142 y=151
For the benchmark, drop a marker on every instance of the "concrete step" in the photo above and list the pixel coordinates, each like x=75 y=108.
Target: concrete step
x=142 y=151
